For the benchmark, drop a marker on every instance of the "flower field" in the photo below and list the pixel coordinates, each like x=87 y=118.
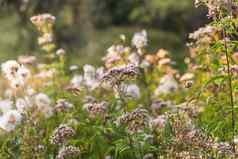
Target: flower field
x=137 y=105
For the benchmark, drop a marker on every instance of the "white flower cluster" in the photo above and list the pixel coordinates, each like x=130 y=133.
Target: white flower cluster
x=10 y=117
x=167 y=85
x=140 y=40
x=90 y=78
x=17 y=74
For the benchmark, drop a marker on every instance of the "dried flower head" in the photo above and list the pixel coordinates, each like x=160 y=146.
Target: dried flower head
x=61 y=134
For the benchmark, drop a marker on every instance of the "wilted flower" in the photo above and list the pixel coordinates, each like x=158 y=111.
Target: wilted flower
x=61 y=134
x=10 y=120
x=139 y=39
x=68 y=152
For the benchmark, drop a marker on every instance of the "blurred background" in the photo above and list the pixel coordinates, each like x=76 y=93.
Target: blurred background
x=86 y=28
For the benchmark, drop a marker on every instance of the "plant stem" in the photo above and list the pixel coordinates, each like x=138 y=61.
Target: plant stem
x=229 y=74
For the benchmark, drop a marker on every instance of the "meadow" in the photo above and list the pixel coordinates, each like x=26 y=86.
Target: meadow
x=133 y=103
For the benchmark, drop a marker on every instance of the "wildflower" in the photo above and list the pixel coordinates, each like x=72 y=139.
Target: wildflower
x=60 y=52
x=22 y=104
x=134 y=59
x=68 y=152
x=10 y=120
x=235 y=57
x=43 y=102
x=157 y=105
x=167 y=85
x=135 y=121
x=159 y=122
x=61 y=134
x=116 y=75
x=114 y=54
x=95 y=109
x=23 y=72
x=131 y=91
x=140 y=40
x=77 y=80
x=42 y=19
x=90 y=77
x=10 y=68
x=62 y=105
x=164 y=61
x=26 y=60
x=6 y=105
x=162 y=54
x=15 y=73
x=45 y=39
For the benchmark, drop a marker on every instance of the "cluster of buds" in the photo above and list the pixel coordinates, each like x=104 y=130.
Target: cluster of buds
x=44 y=24
x=17 y=74
x=61 y=134
x=116 y=75
x=94 y=109
x=68 y=152
x=62 y=105
x=135 y=121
